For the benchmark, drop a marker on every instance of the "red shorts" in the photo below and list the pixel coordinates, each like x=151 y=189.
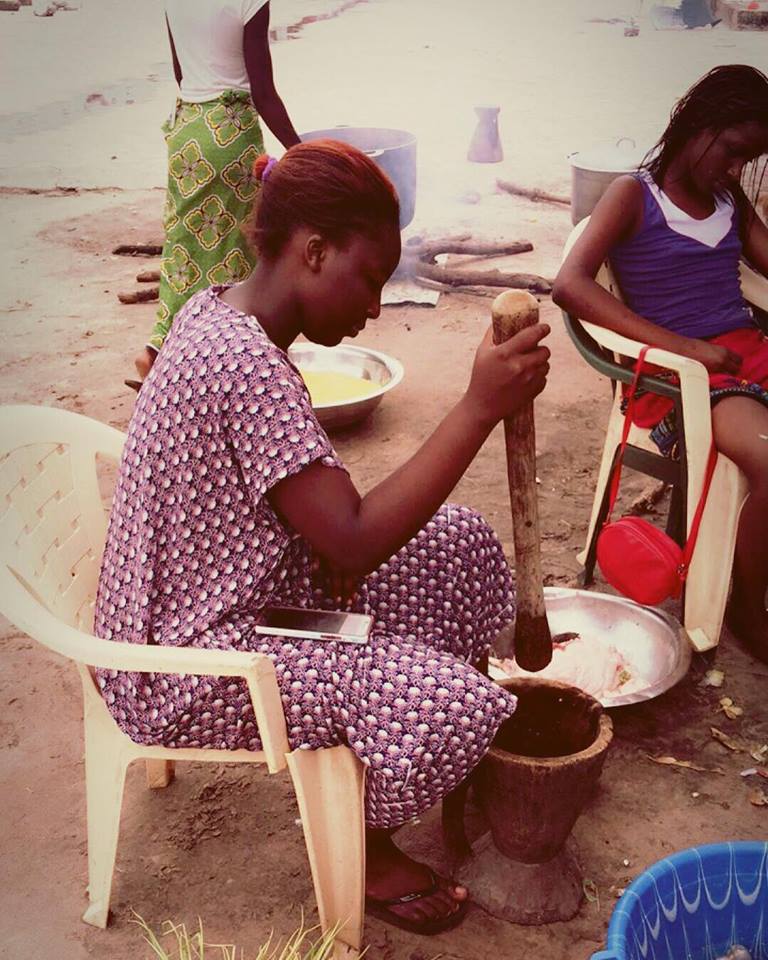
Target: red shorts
x=752 y=380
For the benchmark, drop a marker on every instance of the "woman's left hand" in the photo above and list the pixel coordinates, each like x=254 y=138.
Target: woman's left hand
x=341 y=588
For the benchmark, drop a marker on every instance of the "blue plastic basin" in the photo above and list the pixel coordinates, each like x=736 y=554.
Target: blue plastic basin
x=694 y=905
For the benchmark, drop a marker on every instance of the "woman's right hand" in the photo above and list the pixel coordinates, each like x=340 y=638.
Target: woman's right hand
x=507 y=376
x=716 y=358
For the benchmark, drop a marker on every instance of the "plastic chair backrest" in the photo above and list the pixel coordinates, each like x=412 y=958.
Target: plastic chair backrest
x=52 y=521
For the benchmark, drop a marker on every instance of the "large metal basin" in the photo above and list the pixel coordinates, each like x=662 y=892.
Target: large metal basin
x=361 y=362
x=652 y=642
x=393 y=150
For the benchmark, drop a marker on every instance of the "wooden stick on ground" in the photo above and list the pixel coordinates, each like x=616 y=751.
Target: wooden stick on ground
x=429 y=249
x=483 y=278
x=140 y=296
x=531 y=193
x=419 y=259
x=138 y=249
x=148 y=276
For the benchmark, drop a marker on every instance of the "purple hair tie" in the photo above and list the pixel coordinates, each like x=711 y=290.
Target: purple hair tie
x=270 y=165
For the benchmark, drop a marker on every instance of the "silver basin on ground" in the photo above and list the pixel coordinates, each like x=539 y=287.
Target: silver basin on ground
x=362 y=362
x=653 y=644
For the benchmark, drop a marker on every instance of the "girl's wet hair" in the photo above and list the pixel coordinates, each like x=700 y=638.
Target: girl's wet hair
x=724 y=97
x=325 y=185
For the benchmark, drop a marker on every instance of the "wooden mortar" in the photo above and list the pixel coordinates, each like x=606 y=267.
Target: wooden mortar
x=532 y=785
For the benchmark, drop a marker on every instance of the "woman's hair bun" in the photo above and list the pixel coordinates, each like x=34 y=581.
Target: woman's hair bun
x=261 y=165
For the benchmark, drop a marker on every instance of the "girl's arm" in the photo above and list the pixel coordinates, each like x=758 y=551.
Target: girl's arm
x=754 y=233
x=355 y=534
x=174 y=57
x=617 y=217
x=258 y=63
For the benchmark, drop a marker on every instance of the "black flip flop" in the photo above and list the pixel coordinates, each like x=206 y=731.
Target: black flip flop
x=133 y=384
x=382 y=910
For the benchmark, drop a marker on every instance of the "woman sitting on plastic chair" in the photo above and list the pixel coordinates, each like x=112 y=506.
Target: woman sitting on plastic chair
x=675 y=233
x=231 y=498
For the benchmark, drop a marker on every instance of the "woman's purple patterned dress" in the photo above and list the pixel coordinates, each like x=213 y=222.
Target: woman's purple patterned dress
x=194 y=552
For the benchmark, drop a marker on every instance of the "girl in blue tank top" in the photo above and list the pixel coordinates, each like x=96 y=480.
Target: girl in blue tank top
x=675 y=233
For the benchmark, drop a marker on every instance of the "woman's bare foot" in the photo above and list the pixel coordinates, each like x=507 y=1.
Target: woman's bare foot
x=402 y=891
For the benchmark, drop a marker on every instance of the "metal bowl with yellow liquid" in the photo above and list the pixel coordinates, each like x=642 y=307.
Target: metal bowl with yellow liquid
x=346 y=383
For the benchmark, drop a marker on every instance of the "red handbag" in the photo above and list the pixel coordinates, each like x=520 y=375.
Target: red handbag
x=637 y=558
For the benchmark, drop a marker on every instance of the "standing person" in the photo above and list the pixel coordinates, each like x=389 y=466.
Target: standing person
x=675 y=233
x=231 y=498
x=223 y=66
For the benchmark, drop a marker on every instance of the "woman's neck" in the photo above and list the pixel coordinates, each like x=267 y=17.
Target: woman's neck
x=679 y=186
x=267 y=296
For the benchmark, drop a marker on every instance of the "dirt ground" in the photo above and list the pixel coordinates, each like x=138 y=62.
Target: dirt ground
x=222 y=843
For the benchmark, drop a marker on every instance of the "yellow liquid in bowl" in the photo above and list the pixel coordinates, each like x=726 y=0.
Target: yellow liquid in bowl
x=328 y=386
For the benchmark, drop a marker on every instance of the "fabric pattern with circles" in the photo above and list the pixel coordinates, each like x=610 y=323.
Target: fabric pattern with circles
x=194 y=552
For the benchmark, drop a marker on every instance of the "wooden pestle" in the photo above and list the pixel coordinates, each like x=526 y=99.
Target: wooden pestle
x=513 y=311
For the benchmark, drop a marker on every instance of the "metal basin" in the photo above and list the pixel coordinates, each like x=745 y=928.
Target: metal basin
x=393 y=150
x=654 y=645
x=360 y=362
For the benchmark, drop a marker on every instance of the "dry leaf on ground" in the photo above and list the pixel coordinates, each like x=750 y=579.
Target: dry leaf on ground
x=760 y=753
x=685 y=764
x=713 y=678
x=730 y=709
x=758 y=797
x=726 y=741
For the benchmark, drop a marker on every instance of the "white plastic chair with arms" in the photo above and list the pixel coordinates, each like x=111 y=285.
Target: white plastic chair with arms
x=706 y=590
x=52 y=532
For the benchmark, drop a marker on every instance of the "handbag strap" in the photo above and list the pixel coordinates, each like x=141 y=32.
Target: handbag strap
x=691 y=541
x=616 y=477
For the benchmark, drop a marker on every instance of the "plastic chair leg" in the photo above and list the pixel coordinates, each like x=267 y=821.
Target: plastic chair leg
x=105 y=764
x=159 y=773
x=329 y=788
x=706 y=591
x=612 y=441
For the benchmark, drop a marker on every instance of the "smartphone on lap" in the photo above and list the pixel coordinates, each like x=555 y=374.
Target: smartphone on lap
x=315 y=624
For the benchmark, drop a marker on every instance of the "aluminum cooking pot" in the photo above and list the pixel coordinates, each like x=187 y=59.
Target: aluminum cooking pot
x=594 y=169
x=393 y=150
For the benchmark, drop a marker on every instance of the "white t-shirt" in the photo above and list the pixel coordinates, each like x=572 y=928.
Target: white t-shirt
x=208 y=36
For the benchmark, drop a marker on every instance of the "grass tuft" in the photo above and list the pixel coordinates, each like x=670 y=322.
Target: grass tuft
x=306 y=943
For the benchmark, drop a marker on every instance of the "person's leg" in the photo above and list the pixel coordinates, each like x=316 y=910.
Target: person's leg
x=740 y=427
x=420 y=721
x=390 y=874
x=414 y=710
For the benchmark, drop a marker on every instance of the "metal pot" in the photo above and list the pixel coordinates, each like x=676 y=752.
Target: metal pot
x=393 y=150
x=593 y=170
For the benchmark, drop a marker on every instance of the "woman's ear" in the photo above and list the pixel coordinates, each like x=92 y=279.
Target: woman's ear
x=315 y=250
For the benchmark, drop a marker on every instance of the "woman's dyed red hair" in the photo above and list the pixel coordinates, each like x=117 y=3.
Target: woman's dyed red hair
x=326 y=185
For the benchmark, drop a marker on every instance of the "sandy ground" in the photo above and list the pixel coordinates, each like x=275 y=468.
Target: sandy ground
x=222 y=843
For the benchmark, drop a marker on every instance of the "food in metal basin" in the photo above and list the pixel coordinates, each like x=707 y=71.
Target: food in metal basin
x=591 y=664
x=329 y=386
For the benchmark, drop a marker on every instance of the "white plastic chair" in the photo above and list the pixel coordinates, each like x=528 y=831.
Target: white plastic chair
x=52 y=532
x=706 y=591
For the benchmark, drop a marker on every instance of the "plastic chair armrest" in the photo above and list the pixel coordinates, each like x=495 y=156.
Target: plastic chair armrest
x=631 y=348
x=29 y=615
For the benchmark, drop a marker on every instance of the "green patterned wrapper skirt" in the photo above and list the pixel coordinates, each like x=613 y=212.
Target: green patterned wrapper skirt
x=211 y=149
